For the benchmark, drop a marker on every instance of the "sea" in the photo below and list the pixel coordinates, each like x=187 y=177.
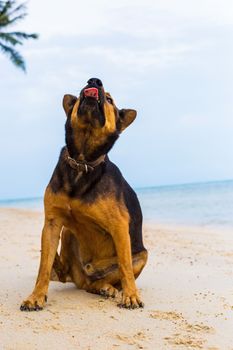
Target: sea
x=209 y=204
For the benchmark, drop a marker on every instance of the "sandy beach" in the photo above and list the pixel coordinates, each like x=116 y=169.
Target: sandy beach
x=187 y=287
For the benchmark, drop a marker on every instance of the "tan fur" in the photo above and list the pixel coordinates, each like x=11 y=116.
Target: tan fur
x=88 y=137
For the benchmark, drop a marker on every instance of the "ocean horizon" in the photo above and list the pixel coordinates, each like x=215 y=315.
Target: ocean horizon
x=205 y=204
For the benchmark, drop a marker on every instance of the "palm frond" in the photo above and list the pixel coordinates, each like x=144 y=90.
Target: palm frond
x=20 y=7
x=6 y=21
x=18 y=10
x=18 y=13
x=15 y=38
x=10 y=13
x=5 y=6
x=22 y=35
x=9 y=38
x=14 y=56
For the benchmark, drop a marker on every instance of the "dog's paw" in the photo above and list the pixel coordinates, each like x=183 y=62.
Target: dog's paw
x=108 y=291
x=33 y=303
x=130 y=302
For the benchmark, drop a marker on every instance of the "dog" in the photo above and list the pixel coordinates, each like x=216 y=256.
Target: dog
x=91 y=207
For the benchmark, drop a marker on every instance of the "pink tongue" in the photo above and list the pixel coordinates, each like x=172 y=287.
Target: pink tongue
x=91 y=92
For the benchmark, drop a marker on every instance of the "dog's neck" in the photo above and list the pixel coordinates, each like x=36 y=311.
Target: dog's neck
x=80 y=164
x=87 y=147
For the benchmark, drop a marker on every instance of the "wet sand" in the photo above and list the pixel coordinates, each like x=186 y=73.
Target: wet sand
x=187 y=287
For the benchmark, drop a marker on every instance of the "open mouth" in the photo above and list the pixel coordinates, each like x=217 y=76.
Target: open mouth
x=91 y=106
x=91 y=92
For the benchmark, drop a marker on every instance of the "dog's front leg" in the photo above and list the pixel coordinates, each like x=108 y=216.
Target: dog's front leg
x=130 y=297
x=49 y=244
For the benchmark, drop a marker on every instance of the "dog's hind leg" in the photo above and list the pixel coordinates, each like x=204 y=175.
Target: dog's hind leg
x=59 y=272
x=104 y=274
x=67 y=266
x=61 y=264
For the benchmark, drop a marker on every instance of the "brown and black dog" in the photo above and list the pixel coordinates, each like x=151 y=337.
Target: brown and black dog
x=92 y=207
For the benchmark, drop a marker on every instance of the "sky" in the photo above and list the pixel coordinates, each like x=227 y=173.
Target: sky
x=169 y=60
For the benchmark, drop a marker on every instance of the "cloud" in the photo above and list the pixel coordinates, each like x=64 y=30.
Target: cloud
x=141 y=18
x=142 y=59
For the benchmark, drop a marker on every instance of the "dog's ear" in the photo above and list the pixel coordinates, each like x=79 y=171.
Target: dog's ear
x=68 y=103
x=126 y=117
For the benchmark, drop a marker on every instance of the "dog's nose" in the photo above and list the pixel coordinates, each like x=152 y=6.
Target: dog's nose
x=95 y=82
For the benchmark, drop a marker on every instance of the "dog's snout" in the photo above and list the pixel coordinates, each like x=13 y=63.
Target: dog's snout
x=95 y=82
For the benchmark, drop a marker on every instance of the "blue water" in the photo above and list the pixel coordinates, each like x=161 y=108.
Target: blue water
x=208 y=205
x=202 y=204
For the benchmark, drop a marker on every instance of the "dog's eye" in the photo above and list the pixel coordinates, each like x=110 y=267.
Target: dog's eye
x=109 y=100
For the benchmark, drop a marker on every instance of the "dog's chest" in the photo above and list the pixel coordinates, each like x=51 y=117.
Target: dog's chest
x=92 y=236
x=79 y=214
x=105 y=212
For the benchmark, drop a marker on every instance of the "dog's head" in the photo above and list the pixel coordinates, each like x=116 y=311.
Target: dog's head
x=93 y=120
